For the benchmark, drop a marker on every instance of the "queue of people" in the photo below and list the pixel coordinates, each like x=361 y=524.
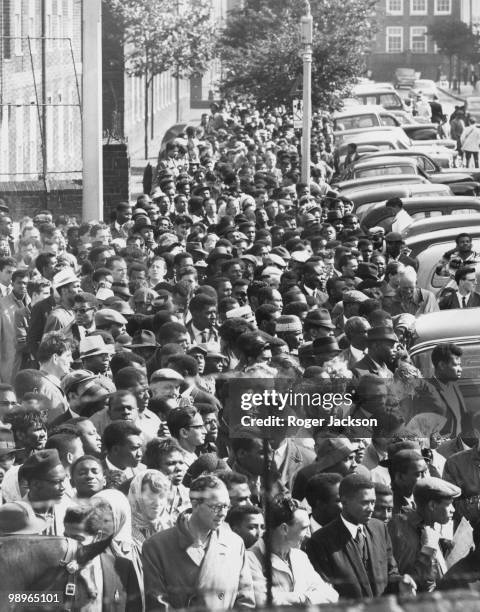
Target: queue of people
x=121 y=344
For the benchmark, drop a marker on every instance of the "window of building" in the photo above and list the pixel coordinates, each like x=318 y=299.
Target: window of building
x=418 y=39
x=443 y=7
x=394 y=40
x=17 y=27
x=394 y=7
x=418 y=7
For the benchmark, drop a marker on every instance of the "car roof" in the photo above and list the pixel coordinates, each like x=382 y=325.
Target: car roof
x=361 y=109
x=442 y=326
x=432 y=203
x=383 y=161
x=420 y=242
x=399 y=153
x=423 y=226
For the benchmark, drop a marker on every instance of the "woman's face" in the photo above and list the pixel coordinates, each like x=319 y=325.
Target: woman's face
x=153 y=502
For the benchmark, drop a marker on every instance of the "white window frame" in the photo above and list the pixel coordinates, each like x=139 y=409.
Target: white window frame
x=423 y=11
x=437 y=11
x=388 y=30
x=17 y=28
x=389 y=11
x=424 y=28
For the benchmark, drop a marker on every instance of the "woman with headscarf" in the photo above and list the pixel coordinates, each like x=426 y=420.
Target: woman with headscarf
x=148 y=497
x=121 y=545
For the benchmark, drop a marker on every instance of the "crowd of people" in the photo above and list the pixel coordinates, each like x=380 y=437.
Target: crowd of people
x=120 y=345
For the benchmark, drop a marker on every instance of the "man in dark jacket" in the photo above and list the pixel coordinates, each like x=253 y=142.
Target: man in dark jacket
x=354 y=551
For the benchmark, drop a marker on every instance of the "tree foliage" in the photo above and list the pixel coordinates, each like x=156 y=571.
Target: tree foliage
x=163 y=35
x=454 y=38
x=261 y=48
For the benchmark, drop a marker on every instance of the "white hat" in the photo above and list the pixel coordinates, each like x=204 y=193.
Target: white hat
x=301 y=256
x=241 y=312
x=166 y=374
x=93 y=345
x=64 y=277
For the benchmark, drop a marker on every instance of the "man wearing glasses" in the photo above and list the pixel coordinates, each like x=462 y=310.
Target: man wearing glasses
x=200 y=562
x=187 y=427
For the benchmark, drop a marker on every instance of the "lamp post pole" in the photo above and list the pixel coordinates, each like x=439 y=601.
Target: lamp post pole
x=306 y=37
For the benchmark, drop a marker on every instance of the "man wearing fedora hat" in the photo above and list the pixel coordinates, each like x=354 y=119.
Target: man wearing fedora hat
x=95 y=356
x=382 y=349
x=62 y=317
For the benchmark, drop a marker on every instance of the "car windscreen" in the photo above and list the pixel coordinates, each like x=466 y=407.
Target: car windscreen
x=356 y=122
x=383 y=170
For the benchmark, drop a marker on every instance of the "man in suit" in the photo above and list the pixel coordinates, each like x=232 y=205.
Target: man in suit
x=382 y=349
x=465 y=296
x=199 y=561
x=111 y=582
x=354 y=551
x=356 y=331
x=441 y=393
x=202 y=328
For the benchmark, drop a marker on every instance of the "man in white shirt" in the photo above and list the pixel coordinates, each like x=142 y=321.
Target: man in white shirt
x=7 y=267
x=401 y=219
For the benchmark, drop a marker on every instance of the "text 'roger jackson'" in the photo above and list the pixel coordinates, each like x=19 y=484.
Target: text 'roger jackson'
x=294 y=421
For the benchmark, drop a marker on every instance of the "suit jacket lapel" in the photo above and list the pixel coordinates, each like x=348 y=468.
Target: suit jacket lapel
x=351 y=552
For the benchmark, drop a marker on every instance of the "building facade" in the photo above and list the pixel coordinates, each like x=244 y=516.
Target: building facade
x=40 y=85
x=402 y=40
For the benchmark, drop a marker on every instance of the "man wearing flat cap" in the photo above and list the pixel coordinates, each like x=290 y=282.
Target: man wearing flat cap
x=382 y=349
x=45 y=475
x=416 y=540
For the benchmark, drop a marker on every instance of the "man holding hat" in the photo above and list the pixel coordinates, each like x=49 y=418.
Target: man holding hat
x=382 y=349
x=62 y=317
x=18 y=518
x=45 y=475
x=416 y=540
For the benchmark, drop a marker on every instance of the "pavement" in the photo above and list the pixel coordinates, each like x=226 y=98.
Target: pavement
x=463 y=91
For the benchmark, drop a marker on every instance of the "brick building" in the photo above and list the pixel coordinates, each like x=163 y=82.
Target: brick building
x=40 y=84
x=402 y=40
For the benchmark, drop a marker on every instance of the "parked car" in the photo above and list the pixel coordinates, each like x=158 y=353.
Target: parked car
x=374 y=182
x=463 y=330
x=443 y=151
x=360 y=117
x=431 y=254
x=380 y=166
x=460 y=182
x=364 y=199
x=423 y=207
x=404 y=77
x=435 y=223
x=387 y=98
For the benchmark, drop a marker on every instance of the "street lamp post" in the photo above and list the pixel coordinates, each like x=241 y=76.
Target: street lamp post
x=306 y=37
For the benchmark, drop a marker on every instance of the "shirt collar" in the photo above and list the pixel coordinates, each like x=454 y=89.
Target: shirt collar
x=351 y=527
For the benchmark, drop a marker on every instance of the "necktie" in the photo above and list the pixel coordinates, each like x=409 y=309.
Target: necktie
x=464 y=302
x=204 y=336
x=361 y=543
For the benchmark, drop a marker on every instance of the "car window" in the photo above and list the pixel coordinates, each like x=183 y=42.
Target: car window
x=355 y=122
x=464 y=211
x=425 y=214
x=470 y=361
x=387 y=120
x=383 y=170
x=439 y=280
x=390 y=100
